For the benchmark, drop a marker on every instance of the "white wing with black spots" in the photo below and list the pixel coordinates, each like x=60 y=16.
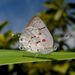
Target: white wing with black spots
x=36 y=37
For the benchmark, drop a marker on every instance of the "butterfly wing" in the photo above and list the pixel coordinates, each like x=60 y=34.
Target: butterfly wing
x=38 y=23
x=36 y=36
x=23 y=41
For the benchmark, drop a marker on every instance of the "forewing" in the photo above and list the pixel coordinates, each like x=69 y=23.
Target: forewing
x=43 y=30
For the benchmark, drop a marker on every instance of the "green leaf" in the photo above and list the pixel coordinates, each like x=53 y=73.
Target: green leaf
x=58 y=15
x=51 y=11
x=3 y=25
x=62 y=1
x=13 y=39
x=61 y=68
x=2 y=41
x=48 y=2
x=17 y=56
x=8 y=34
x=50 y=5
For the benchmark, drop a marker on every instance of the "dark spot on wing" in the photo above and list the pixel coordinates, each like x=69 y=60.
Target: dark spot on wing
x=29 y=41
x=29 y=46
x=39 y=33
x=21 y=48
x=34 y=36
x=21 y=39
x=37 y=49
x=37 y=42
x=43 y=40
x=41 y=28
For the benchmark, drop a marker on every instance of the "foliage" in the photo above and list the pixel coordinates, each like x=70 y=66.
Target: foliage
x=57 y=17
x=40 y=64
x=8 y=38
x=57 y=14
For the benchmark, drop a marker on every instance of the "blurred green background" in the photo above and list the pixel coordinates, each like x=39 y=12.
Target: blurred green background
x=59 y=16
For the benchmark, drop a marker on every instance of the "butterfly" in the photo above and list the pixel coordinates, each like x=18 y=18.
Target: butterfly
x=36 y=37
